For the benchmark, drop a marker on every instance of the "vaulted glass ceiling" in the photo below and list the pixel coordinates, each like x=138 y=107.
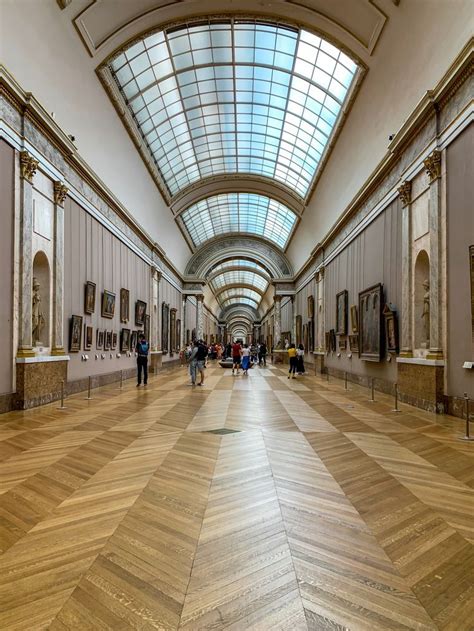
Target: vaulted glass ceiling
x=239 y=277
x=240 y=291
x=239 y=300
x=239 y=212
x=235 y=96
x=243 y=263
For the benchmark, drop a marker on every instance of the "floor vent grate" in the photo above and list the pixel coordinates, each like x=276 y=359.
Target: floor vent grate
x=223 y=430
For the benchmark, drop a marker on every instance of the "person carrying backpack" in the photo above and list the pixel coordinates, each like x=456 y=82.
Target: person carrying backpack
x=142 y=348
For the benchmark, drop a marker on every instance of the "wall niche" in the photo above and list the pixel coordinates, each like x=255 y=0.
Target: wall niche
x=41 y=307
x=421 y=309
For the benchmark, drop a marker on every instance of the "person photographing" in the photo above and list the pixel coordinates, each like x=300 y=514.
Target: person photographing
x=142 y=349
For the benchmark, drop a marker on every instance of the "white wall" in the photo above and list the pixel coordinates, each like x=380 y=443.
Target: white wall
x=40 y=47
x=421 y=40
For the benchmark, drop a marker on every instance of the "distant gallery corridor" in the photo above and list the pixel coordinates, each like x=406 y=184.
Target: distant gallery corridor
x=251 y=503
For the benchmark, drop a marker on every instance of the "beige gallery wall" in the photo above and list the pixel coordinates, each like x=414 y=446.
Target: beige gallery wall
x=7 y=155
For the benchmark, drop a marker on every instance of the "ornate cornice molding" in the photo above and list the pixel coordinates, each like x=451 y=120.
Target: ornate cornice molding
x=60 y=192
x=404 y=192
x=433 y=165
x=28 y=166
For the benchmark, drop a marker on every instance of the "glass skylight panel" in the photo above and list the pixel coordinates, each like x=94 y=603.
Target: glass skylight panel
x=235 y=96
x=239 y=300
x=240 y=263
x=239 y=291
x=239 y=278
x=239 y=212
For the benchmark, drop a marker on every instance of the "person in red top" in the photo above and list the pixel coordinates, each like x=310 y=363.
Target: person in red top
x=236 y=348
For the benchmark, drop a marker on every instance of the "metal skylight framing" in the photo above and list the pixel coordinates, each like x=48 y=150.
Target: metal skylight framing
x=235 y=96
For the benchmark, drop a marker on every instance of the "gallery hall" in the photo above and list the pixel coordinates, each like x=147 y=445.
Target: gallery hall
x=237 y=315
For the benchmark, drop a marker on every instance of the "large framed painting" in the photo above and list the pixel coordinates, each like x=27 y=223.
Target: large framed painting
x=140 y=311
x=354 y=319
x=88 y=337
x=172 y=331
x=341 y=312
x=75 y=334
x=310 y=346
x=125 y=340
x=299 y=330
x=305 y=337
x=124 y=305
x=311 y=307
x=370 y=323
x=146 y=327
x=391 y=328
x=89 y=297
x=165 y=310
x=108 y=304
x=178 y=334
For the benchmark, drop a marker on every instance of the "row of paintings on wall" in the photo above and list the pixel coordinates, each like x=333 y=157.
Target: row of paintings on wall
x=81 y=337
x=374 y=325
x=170 y=330
x=108 y=304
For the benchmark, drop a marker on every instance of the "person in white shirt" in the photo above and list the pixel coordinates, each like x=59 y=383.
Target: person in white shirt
x=300 y=359
x=245 y=355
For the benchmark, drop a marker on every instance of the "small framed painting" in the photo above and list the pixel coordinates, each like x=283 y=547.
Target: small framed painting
x=89 y=297
x=391 y=328
x=125 y=340
x=75 y=334
x=107 y=341
x=114 y=340
x=108 y=304
x=134 y=340
x=140 y=310
x=124 y=305
x=354 y=343
x=88 y=335
x=341 y=312
x=354 y=319
x=99 y=340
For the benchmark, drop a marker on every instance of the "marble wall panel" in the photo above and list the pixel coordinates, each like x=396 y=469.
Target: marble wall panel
x=6 y=266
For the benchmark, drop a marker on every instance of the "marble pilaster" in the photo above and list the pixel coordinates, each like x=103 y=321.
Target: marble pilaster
x=200 y=316
x=293 y=319
x=154 y=311
x=277 y=342
x=182 y=341
x=433 y=169
x=320 y=337
x=28 y=166
x=406 y=333
x=60 y=193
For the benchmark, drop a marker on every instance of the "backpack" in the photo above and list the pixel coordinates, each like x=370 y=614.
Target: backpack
x=142 y=349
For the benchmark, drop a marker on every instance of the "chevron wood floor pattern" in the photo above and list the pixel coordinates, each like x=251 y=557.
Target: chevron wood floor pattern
x=252 y=503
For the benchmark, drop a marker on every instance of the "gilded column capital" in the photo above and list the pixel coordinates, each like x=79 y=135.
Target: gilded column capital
x=60 y=192
x=433 y=165
x=404 y=192
x=28 y=166
x=200 y=297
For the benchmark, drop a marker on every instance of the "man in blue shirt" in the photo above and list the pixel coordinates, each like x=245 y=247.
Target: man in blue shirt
x=142 y=349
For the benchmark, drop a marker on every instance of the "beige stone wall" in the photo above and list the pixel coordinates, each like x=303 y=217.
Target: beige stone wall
x=460 y=230
x=6 y=267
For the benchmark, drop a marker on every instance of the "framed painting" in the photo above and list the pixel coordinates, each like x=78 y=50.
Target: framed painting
x=391 y=328
x=310 y=346
x=188 y=336
x=299 y=330
x=305 y=337
x=125 y=340
x=140 y=311
x=370 y=323
x=341 y=312
x=327 y=341
x=108 y=340
x=354 y=319
x=311 y=307
x=134 y=340
x=342 y=343
x=165 y=311
x=124 y=305
x=88 y=337
x=172 y=331
x=75 y=334
x=114 y=340
x=89 y=297
x=354 y=343
x=99 y=340
x=178 y=334
x=108 y=304
x=146 y=328
x=193 y=335
x=332 y=340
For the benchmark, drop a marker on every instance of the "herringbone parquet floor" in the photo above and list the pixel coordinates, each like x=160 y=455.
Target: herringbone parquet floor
x=316 y=509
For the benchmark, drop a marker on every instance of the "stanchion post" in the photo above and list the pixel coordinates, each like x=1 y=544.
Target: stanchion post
x=395 y=409
x=89 y=383
x=62 y=406
x=467 y=435
x=345 y=380
x=372 y=390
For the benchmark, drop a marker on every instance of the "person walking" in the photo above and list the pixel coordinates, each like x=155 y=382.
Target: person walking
x=245 y=355
x=236 y=348
x=292 y=358
x=262 y=354
x=193 y=362
x=300 y=360
x=201 y=357
x=142 y=349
